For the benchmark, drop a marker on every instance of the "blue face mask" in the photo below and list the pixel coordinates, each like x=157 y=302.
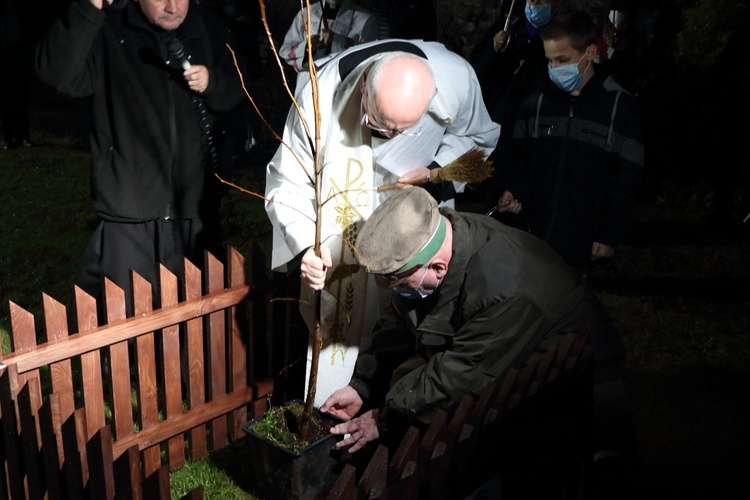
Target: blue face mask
x=567 y=78
x=416 y=293
x=538 y=15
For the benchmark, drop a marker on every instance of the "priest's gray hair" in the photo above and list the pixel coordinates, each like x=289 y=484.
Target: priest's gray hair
x=413 y=74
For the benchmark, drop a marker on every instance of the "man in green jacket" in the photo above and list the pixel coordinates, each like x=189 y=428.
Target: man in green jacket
x=472 y=298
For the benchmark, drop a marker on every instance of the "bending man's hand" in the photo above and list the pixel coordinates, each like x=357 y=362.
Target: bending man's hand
x=601 y=251
x=196 y=77
x=313 y=268
x=345 y=403
x=360 y=430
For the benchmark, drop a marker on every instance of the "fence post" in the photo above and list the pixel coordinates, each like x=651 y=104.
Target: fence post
x=119 y=362
x=145 y=358
x=170 y=362
x=216 y=350
x=196 y=354
x=24 y=340
x=56 y=321
x=91 y=367
x=51 y=455
x=101 y=473
x=29 y=442
x=73 y=473
x=128 y=477
x=156 y=486
x=404 y=469
x=15 y=479
x=374 y=480
x=238 y=343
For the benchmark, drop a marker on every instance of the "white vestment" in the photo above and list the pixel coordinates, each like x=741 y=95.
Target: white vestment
x=354 y=164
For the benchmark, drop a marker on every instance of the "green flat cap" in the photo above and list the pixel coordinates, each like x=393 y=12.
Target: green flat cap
x=404 y=231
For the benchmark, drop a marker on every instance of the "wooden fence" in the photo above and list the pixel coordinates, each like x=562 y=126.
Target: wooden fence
x=527 y=436
x=110 y=410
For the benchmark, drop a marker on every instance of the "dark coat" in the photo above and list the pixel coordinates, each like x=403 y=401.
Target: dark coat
x=148 y=148
x=505 y=294
x=507 y=78
x=576 y=165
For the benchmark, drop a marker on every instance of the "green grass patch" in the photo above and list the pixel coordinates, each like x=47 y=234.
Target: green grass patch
x=45 y=219
x=215 y=481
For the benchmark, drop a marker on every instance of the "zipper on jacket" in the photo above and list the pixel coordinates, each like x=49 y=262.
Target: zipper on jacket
x=559 y=175
x=172 y=143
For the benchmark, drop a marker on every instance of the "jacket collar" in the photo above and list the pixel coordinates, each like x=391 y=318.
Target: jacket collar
x=439 y=320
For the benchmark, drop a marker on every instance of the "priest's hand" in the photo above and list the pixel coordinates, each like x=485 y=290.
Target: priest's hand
x=313 y=268
x=422 y=173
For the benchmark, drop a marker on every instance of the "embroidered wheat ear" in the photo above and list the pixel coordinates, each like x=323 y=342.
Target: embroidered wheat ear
x=470 y=167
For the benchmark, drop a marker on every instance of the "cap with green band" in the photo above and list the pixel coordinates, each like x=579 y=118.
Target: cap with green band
x=429 y=250
x=405 y=231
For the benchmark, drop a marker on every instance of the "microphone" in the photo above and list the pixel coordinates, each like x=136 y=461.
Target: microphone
x=177 y=51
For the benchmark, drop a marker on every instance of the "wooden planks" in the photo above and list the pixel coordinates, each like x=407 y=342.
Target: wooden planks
x=165 y=375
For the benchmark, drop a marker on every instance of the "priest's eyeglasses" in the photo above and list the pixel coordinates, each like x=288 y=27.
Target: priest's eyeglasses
x=386 y=131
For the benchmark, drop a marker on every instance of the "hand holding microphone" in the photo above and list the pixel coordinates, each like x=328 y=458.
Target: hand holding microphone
x=196 y=76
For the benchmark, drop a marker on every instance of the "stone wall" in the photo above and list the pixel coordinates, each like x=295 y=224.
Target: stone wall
x=462 y=23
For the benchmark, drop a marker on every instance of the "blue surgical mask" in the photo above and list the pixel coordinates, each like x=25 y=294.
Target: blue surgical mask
x=567 y=78
x=538 y=15
x=416 y=293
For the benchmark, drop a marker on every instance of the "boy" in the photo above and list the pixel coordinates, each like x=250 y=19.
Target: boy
x=577 y=153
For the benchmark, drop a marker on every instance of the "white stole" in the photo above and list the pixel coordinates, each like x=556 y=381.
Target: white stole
x=349 y=301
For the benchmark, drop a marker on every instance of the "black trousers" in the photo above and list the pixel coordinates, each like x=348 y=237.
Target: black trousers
x=117 y=248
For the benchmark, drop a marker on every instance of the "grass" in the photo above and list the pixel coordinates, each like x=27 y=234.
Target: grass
x=212 y=474
x=46 y=219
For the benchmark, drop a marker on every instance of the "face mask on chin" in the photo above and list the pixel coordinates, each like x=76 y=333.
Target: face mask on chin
x=567 y=78
x=416 y=293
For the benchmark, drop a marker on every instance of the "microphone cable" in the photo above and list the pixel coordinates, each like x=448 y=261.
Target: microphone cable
x=211 y=158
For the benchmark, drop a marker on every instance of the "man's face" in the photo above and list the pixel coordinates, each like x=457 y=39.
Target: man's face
x=423 y=278
x=166 y=14
x=561 y=53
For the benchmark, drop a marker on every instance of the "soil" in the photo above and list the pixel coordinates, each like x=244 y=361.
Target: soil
x=281 y=426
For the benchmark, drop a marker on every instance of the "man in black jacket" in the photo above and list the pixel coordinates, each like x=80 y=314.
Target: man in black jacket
x=156 y=72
